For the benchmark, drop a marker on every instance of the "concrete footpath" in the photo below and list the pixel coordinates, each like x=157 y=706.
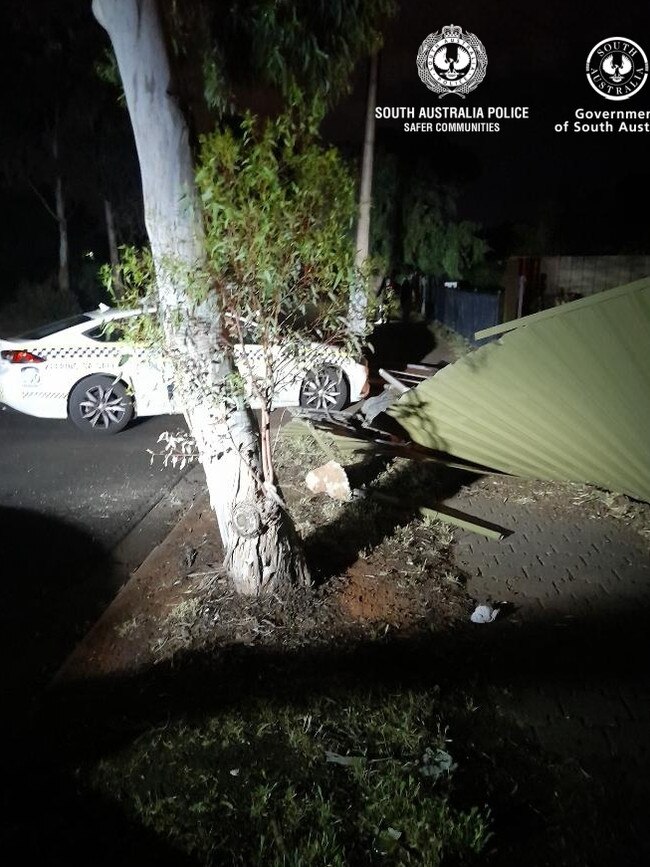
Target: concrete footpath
x=574 y=647
x=575 y=643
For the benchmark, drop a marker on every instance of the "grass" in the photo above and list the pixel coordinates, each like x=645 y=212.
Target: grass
x=362 y=776
x=364 y=780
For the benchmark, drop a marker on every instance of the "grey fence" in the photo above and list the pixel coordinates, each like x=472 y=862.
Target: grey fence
x=464 y=310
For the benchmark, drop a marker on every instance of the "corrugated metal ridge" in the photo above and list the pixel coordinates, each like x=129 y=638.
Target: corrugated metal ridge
x=470 y=421
x=566 y=398
x=564 y=309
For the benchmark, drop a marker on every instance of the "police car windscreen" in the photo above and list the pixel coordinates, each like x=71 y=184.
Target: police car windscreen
x=53 y=327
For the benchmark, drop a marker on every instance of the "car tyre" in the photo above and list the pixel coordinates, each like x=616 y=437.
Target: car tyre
x=325 y=389
x=100 y=405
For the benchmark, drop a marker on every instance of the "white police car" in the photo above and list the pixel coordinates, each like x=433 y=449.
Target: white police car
x=78 y=368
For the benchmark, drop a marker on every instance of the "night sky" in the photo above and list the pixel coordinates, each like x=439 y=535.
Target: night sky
x=579 y=194
x=590 y=190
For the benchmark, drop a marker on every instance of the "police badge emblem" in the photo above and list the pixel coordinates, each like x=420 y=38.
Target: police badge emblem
x=451 y=61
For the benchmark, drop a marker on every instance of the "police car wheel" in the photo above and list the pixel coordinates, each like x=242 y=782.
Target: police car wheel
x=325 y=388
x=99 y=405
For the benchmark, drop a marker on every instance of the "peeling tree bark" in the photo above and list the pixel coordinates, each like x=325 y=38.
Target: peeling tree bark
x=261 y=551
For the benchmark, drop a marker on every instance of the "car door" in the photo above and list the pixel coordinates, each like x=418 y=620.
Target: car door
x=142 y=367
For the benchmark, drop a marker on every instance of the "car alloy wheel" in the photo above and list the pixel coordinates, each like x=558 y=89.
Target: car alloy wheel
x=324 y=388
x=102 y=407
x=100 y=404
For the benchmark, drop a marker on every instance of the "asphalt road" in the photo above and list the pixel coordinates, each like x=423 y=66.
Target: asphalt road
x=66 y=501
x=102 y=486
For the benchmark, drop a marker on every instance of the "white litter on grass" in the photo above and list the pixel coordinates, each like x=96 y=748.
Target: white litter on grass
x=346 y=761
x=484 y=614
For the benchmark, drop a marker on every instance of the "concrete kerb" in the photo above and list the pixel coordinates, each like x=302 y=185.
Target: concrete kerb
x=141 y=545
x=153 y=528
x=158 y=527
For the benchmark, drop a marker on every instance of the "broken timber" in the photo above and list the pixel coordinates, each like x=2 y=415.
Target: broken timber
x=329 y=477
x=454 y=517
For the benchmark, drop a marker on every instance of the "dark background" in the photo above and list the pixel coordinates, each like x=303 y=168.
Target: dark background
x=527 y=185
x=589 y=192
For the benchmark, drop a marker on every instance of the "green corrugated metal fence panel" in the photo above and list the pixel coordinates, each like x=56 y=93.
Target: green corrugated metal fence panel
x=563 y=395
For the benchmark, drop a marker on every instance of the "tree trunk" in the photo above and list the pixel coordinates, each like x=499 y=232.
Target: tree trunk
x=113 y=253
x=358 y=302
x=62 y=222
x=261 y=553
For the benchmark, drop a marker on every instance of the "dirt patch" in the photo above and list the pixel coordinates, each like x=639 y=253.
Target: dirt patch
x=367 y=598
x=375 y=567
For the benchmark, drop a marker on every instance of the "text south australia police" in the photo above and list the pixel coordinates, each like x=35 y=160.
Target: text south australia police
x=452 y=118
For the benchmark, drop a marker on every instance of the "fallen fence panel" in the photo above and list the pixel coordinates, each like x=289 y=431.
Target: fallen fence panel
x=563 y=395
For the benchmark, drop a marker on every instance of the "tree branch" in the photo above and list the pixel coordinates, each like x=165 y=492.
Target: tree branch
x=42 y=200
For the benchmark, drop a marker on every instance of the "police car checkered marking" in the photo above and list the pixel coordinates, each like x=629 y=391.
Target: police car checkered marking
x=81 y=352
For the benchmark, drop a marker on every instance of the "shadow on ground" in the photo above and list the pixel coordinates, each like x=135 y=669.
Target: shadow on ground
x=484 y=663
x=363 y=523
x=601 y=649
x=57 y=580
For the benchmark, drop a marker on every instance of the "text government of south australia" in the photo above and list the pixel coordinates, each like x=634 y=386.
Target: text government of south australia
x=607 y=120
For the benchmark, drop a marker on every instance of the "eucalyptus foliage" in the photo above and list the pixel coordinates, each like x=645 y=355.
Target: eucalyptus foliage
x=305 y=46
x=278 y=213
x=278 y=210
x=415 y=225
x=436 y=244
x=312 y=44
x=132 y=287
